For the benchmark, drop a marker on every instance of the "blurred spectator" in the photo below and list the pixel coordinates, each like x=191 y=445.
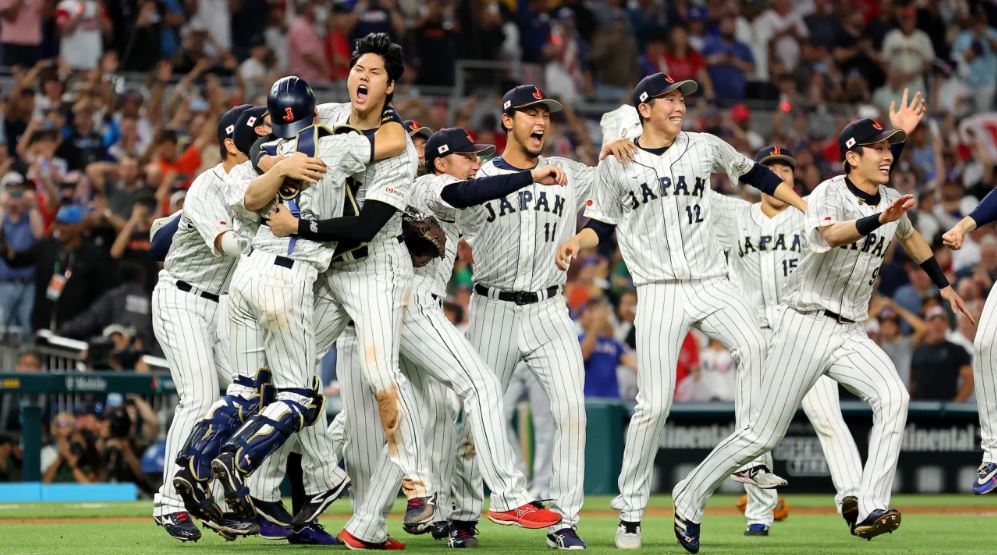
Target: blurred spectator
x=255 y=71
x=626 y=312
x=590 y=283
x=21 y=31
x=534 y=28
x=909 y=50
x=305 y=52
x=11 y=459
x=614 y=58
x=857 y=51
x=338 y=49
x=17 y=115
x=249 y=19
x=143 y=31
x=682 y=61
x=823 y=25
x=82 y=25
x=435 y=44
x=73 y=455
x=780 y=30
x=911 y=295
x=83 y=145
x=564 y=70
x=896 y=345
x=975 y=51
x=126 y=306
x=940 y=369
x=216 y=17
x=200 y=49
x=730 y=62
x=122 y=439
x=688 y=360
x=602 y=352
x=377 y=16
x=22 y=227
x=29 y=361
x=132 y=242
x=69 y=270
x=712 y=380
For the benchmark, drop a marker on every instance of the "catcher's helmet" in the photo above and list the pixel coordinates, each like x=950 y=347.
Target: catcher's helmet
x=291 y=105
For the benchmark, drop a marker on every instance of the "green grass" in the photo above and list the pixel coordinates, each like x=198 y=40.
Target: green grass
x=927 y=528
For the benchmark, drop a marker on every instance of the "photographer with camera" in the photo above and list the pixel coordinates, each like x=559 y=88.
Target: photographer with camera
x=124 y=430
x=73 y=457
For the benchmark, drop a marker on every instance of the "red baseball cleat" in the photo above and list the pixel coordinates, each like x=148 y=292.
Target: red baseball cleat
x=354 y=543
x=531 y=515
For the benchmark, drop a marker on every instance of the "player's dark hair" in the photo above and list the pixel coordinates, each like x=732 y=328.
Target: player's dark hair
x=650 y=102
x=845 y=166
x=390 y=52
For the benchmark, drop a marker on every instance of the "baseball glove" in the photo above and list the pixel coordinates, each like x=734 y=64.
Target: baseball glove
x=424 y=237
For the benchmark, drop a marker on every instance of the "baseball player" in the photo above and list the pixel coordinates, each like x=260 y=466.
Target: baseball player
x=419 y=136
x=432 y=350
x=202 y=255
x=984 y=371
x=518 y=312
x=272 y=296
x=370 y=277
x=850 y=222
x=668 y=241
x=764 y=242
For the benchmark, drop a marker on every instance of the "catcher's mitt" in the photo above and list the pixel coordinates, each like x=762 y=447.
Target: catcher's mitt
x=424 y=237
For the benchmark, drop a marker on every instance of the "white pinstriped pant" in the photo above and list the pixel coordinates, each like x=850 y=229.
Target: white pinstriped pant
x=985 y=377
x=543 y=336
x=187 y=326
x=437 y=359
x=270 y=315
x=823 y=408
x=803 y=348
x=665 y=312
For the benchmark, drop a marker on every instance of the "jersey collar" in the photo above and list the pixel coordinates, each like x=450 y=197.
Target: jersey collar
x=501 y=163
x=655 y=151
x=864 y=197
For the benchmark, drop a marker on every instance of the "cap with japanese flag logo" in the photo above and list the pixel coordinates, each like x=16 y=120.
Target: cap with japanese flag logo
x=524 y=96
x=867 y=132
x=226 y=123
x=775 y=153
x=660 y=84
x=453 y=140
x=245 y=128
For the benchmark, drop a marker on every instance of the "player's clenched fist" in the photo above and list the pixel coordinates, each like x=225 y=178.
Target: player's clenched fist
x=302 y=168
x=897 y=209
x=567 y=251
x=282 y=223
x=954 y=237
x=549 y=175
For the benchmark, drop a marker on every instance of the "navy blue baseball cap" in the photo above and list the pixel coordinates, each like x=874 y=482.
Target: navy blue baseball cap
x=245 y=128
x=226 y=123
x=525 y=96
x=775 y=153
x=867 y=132
x=291 y=104
x=660 y=84
x=453 y=140
x=416 y=130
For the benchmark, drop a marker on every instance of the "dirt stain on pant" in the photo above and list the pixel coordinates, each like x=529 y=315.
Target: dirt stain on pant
x=414 y=488
x=388 y=410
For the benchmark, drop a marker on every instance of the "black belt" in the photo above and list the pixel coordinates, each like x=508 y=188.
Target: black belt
x=188 y=288
x=283 y=261
x=518 y=297
x=359 y=253
x=841 y=319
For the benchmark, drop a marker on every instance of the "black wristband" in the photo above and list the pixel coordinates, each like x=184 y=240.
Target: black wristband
x=934 y=271
x=307 y=229
x=868 y=224
x=389 y=114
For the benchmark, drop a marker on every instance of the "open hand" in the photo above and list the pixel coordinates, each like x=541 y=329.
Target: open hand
x=566 y=252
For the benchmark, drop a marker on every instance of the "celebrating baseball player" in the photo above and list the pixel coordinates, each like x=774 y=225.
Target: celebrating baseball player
x=764 y=242
x=202 y=255
x=984 y=352
x=850 y=222
x=666 y=235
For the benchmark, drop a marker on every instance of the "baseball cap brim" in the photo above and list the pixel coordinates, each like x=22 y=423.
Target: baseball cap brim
x=894 y=136
x=424 y=132
x=778 y=158
x=686 y=87
x=481 y=150
x=290 y=130
x=552 y=105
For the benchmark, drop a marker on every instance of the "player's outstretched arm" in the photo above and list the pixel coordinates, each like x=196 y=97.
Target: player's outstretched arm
x=985 y=213
x=472 y=192
x=264 y=188
x=847 y=232
x=587 y=238
x=920 y=251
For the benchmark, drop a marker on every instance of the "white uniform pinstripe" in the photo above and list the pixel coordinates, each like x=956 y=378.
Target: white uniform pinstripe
x=663 y=217
x=762 y=252
x=186 y=324
x=807 y=343
x=514 y=241
x=985 y=376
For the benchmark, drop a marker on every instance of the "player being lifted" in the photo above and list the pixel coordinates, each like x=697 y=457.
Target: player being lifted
x=662 y=211
x=850 y=222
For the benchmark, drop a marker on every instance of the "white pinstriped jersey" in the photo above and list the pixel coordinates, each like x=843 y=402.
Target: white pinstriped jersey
x=762 y=251
x=246 y=222
x=515 y=238
x=388 y=181
x=192 y=256
x=841 y=279
x=660 y=208
x=426 y=199
x=344 y=155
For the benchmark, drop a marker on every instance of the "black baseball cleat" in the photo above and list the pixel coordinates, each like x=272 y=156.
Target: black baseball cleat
x=179 y=526
x=440 y=530
x=687 y=533
x=231 y=527
x=315 y=504
x=224 y=470
x=850 y=510
x=274 y=512
x=195 y=495
x=880 y=521
x=463 y=535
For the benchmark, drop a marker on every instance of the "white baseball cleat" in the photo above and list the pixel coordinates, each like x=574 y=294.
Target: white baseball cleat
x=759 y=476
x=628 y=535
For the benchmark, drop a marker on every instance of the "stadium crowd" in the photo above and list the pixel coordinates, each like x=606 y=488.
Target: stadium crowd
x=93 y=154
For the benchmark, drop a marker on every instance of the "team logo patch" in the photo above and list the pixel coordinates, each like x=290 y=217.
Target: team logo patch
x=877 y=125
x=443 y=149
x=588 y=202
x=643 y=96
x=313 y=225
x=251 y=122
x=469 y=139
x=537 y=93
x=850 y=142
x=414 y=126
x=669 y=78
x=775 y=151
x=229 y=129
x=507 y=104
x=288 y=114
